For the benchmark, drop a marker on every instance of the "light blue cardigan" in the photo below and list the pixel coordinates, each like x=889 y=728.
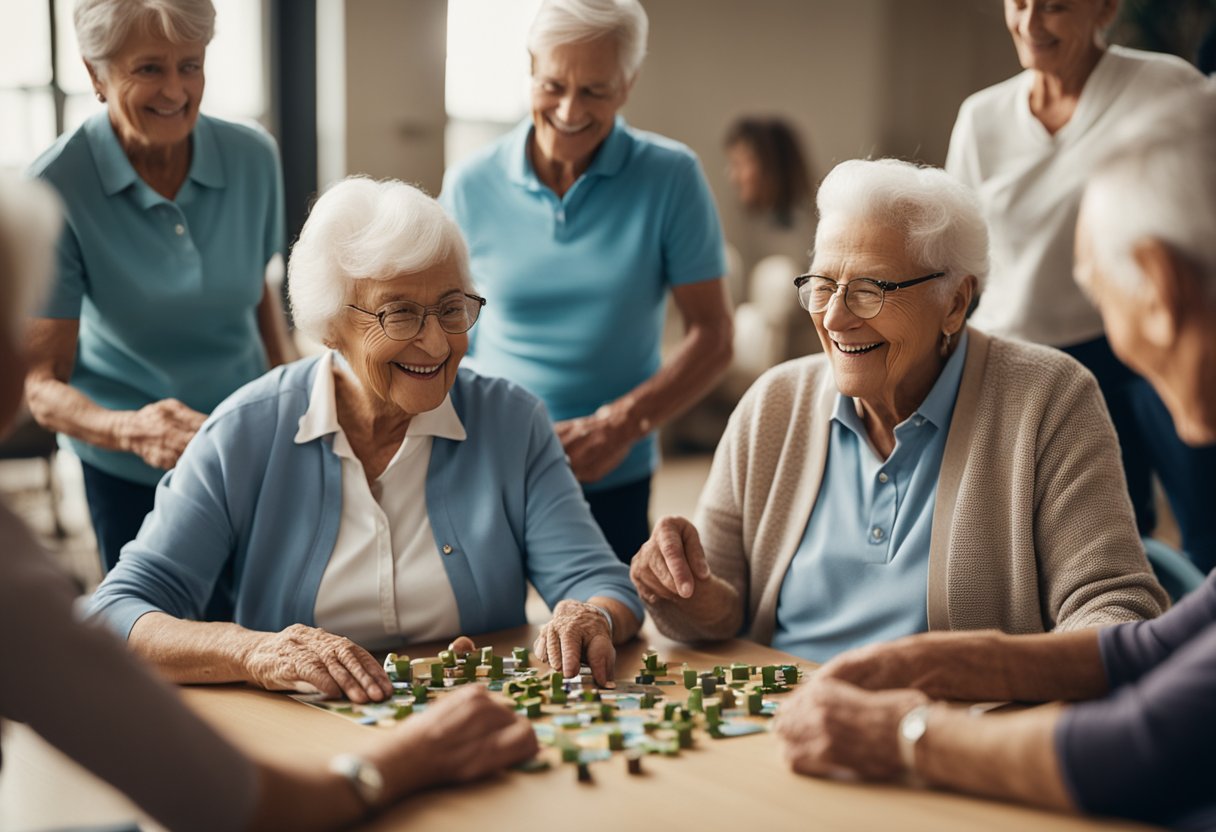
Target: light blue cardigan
x=244 y=526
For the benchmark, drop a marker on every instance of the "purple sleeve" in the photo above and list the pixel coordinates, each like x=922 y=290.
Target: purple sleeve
x=1148 y=751
x=85 y=694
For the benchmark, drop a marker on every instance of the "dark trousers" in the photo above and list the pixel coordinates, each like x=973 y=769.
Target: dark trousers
x=117 y=508
x=1150 y=445
x=623 y=514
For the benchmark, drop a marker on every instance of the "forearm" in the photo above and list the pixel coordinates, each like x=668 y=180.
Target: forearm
x=689 y=373
x=625 y=624
x=1004 y=756
x=272 y=327
x=61 y=408
x=193 y=652
x=714 y=612
x=303 y=798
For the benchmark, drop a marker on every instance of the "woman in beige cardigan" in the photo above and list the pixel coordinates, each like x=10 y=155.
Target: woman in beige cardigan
x=919 y=475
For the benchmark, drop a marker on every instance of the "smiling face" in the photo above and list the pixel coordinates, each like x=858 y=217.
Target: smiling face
x=893 y=358
x=414 y=376
x=576 y=91
x=1057 y=37
x=152 y=89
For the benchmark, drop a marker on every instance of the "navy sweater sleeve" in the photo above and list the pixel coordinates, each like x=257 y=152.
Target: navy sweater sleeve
x=1148 y=751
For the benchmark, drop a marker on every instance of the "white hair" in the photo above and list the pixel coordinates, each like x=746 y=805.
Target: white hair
x=1159 y=182
x=362 y=229
x=562 y=22
x=940 y=216
x=30 y=220
x=103 y=26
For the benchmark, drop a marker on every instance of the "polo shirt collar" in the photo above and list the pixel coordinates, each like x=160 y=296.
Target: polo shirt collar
x=608 y=161
x=938 y=406
x=321 y=418
x=117 y=173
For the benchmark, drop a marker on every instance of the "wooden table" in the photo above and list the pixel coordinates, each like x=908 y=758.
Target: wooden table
x=738 y=783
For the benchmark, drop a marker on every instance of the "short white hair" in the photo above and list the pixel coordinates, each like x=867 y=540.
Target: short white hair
x=103 y=26
x=30 y=219
x=562 y=22
x=1159 y=182
x=940 y=217
x=363 y=229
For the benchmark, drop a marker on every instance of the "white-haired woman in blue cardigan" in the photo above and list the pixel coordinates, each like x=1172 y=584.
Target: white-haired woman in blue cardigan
x=372 y=497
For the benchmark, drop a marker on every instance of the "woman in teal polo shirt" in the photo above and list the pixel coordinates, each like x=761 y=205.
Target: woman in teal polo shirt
x=160 y=309
x=578 y=226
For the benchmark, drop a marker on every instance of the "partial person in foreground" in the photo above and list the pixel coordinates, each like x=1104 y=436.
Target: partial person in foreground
x=372 y=497
x=579 y=227
x=160 y=307
x=919 y=475
x=1140 y=742
x=133 y=731
x=1027 y=146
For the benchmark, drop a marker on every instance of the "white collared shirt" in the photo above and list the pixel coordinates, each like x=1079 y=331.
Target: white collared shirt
x=385 y=584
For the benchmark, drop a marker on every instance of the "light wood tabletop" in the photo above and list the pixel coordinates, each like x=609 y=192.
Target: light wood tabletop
x=729 y=783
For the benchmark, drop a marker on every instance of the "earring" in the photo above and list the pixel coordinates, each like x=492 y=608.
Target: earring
x=101 y=96
x=945 y=347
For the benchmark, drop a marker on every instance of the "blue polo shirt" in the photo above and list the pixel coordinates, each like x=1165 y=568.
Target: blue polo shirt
x=577 y=286
x=861 y=573
x=166 y=290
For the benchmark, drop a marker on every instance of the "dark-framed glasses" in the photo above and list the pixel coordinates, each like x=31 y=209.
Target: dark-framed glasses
x=402 y=320
x=863 y=296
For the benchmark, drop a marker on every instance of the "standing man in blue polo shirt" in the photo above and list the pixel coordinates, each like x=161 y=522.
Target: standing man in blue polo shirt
x=578 y=225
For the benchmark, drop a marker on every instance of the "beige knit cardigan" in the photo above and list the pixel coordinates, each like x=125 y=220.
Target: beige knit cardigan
x=1032 y=526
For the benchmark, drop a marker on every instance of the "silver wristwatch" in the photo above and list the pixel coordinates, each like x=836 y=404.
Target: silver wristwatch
x=364 y=778
x=911 y=729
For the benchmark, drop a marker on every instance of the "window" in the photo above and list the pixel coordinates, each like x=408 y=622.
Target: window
x=41 y=97
x=487 y=73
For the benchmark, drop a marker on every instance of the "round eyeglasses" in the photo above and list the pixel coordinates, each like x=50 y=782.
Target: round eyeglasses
x=863 y=296
x=402 y=320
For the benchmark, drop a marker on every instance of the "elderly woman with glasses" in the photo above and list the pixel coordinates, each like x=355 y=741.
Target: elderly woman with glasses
x=371 y=497
x=919 y=474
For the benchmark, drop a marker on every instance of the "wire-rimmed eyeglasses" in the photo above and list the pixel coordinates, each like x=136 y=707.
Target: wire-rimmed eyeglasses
x=402 y=320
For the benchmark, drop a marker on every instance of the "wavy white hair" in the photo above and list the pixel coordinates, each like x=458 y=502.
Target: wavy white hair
x=940 y=217
x=561 y=22
x=1159 y=182
x=103 y=26
x=363 y=229
x=30 y=220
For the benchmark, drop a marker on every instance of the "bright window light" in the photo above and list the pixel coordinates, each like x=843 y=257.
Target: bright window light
x=488 y=69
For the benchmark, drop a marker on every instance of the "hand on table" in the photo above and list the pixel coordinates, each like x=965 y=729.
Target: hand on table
x=671 y=563
x=575 y=631
x=463 y=736
x=942 y=665
x=828 y=727
x=159 y=432
x=595 y=444
x=304 y=659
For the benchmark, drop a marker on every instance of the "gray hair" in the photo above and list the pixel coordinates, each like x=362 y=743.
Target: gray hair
x=103 y=26
x=562 y=22
x=1159 y=182
x=362 y=229
x=30 y=219
x=940 y=216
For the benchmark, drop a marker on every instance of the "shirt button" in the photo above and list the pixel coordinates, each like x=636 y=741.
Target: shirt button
x=447 y=550
x=920 y=420
x=561 y=216
x=876 y=533
x=882 y=477
x=179 y=229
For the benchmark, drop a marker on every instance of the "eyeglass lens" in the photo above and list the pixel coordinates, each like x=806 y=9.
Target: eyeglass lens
x=402 y=321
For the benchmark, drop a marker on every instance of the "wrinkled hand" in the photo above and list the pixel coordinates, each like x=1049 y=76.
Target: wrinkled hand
x=306 y=659
x=463 y=736
x=938 y=664
x=670 y=563
x=159 y=432
x=595 y=444
x=577 y=630
x=830 y=728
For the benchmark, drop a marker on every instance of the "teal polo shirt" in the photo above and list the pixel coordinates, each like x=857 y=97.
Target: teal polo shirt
x=166 y=290
x=577 y=286
x=861 y=573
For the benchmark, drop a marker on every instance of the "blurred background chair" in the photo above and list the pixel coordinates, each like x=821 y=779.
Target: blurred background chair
x=31 y=442
x=1173 y=569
